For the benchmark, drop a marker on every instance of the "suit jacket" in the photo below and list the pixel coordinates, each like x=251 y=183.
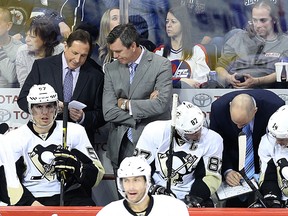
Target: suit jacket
x=88 y=89
x=220 y=121
x=153 y=72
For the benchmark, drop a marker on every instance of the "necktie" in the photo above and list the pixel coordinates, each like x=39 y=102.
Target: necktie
x=132 y=68
x=68 y=86
x=249 y=161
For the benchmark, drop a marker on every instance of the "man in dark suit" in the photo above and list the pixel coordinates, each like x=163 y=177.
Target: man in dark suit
x=229 y=114
x=130 y=104
x=88 y=80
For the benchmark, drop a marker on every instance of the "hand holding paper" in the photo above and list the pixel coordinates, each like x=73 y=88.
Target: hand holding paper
x=76 y=105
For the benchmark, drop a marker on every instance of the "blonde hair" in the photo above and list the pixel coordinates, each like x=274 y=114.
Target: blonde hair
x=104 y=53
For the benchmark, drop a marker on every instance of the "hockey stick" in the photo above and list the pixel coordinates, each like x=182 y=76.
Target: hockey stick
x=64 y=145
x=242 y=155
x=172 y=134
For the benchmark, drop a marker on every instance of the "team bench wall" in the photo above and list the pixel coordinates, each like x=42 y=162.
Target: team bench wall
x=92 y=211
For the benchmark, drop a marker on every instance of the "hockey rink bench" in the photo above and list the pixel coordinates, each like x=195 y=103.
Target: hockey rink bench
x=92 y=211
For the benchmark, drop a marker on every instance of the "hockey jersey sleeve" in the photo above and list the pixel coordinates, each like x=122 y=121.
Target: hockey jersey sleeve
x=153 y=136
x=268 y=180
x=92 y=169
x=12 y=191
x=207 y=173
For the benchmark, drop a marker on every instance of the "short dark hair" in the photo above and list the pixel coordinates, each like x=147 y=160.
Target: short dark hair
x=80 y=35
x=127 y=33
x=44 y=28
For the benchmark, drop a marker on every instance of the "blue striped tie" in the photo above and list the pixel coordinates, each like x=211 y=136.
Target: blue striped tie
x=249 y=161
x=132 y=68
x=68 y=86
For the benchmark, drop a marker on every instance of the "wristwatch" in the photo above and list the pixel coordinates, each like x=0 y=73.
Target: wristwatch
x=123 y=105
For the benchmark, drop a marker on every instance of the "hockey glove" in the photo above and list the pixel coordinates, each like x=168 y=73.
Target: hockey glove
x=197 y=202
x=283 y=164
x=270 y=201
x=66 y=163
x=158 y=189
x=193 y=201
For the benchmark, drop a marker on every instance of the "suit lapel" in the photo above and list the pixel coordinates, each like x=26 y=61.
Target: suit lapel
x=124 y=77
x=81 y=82
x=140 y=71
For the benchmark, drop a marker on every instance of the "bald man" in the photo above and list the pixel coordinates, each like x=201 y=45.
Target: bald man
x=229 y=114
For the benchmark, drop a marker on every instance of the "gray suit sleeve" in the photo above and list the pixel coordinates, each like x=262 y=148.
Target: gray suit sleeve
x=111 y=111
x=145 y=108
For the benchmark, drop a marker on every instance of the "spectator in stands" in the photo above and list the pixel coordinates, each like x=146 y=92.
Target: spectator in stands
x=273 y=153
x=109 y=20
x=83 y=83
x=8 y=49
x=154 y=13
x=78 y=12
x=248 y=57
x=188 y=60
x=230 y=114
x=42 y=160
x=197 y=156
x=242 y=12
x=22 y=10
x=137 y=90
x=133 y=182
x=42 y=40
x=142 y=28
x=209 y=19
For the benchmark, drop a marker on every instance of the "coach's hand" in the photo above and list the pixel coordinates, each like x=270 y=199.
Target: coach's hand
x=233 y=178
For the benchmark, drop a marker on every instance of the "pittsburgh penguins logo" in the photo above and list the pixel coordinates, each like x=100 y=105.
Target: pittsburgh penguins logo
x=182 y=165
x=42 y=158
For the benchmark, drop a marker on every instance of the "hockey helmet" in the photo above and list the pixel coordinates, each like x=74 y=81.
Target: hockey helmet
x=43 y=93
x=278 y=123
x=132 y=167
x=189 y=119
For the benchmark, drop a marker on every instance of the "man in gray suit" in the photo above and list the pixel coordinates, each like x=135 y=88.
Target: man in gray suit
x=131 y=102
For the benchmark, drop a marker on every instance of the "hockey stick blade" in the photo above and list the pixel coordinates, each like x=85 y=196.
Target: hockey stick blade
x=242 y=150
